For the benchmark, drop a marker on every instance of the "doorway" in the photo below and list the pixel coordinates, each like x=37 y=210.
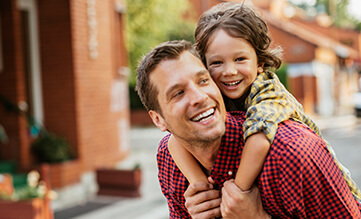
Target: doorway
x=32 y=71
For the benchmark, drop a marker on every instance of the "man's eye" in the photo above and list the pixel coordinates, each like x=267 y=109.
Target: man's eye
x=176 y=94
x=203 y=81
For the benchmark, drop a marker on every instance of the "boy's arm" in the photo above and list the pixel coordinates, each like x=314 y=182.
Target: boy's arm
x=269 y=104
x=186 y=162
x=254 y=154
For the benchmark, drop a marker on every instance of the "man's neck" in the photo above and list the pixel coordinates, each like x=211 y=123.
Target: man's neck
x=205 y=154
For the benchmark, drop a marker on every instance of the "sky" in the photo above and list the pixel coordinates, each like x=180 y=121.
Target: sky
x=354 y=6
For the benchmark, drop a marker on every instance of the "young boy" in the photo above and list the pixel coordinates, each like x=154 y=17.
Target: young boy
x=233 y=42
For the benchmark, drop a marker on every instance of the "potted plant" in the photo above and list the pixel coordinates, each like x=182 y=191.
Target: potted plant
x=46 y=147
x=119 y=182
x=49 y=148
x=31 y=201
x=55 y=152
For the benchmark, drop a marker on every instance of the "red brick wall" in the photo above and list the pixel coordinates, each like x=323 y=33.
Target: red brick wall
x=77 y=89
x=59 y=99
x=98 y=130
x=12 y=85
x=295 y=50
x=57 y=69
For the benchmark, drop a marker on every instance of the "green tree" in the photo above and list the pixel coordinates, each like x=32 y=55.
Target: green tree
x=336 y=9
x=150 y=22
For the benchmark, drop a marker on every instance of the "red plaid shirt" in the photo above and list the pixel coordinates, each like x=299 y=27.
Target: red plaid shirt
x=299 y=178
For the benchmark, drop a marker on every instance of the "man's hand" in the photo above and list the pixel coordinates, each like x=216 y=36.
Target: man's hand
x=202 y=201
x=239 y=204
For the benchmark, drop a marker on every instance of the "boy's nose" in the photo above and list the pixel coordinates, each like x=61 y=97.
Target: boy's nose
x=230 y=70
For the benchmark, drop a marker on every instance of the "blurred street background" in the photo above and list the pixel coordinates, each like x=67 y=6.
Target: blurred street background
x=68 y=106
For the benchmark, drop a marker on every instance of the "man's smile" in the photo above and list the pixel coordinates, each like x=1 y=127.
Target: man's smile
x=203 y=116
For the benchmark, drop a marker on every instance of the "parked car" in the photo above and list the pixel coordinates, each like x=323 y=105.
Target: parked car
x=357 y=101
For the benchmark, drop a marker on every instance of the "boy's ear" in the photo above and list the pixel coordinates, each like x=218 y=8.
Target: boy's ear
x=260 y=68
x=158 y=120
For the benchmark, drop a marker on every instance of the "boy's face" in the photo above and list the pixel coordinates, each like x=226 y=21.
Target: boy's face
x=232 y=63
x=191 y=104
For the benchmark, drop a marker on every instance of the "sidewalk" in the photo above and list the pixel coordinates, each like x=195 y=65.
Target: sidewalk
x=152 y=204
x=335 y=121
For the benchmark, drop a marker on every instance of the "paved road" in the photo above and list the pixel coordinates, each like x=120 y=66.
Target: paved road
x=346 y=141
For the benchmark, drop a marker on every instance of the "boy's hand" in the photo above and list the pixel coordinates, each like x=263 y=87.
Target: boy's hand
x=202 y=201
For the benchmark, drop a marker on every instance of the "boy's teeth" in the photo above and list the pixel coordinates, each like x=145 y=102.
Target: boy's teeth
x=232 y=83
x=204 y=115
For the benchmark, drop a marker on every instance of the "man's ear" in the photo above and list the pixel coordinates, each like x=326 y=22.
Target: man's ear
x=158 y=120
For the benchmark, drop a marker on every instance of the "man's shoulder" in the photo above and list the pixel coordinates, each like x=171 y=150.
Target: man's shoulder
x=295 y=133
x=163 y=144
x=163 y=155
x=164 y=159
x=171 y=180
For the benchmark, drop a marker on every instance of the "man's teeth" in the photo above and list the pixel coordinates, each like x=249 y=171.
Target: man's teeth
x=232 y=83
x=203 y=116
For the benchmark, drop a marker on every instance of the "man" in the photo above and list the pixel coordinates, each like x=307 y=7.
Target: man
x=299 y=178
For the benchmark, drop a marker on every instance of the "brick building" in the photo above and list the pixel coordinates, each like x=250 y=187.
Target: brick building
x=66 y=61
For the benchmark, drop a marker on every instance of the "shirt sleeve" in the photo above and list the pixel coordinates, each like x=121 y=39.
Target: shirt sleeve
x=172 y=182
x=268 y=104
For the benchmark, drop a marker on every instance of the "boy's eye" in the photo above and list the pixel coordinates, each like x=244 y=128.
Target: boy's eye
x=240 y=59
x=216 y=63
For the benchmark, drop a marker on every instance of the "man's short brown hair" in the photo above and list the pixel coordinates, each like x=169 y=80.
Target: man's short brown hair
x=165 y=51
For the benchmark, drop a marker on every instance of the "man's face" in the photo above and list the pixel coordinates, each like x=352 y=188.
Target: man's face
x=191 y=104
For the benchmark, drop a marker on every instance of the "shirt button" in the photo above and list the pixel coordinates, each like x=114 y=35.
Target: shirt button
x=230 y=173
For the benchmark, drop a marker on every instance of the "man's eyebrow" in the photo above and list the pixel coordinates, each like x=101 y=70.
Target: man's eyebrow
x=202 y=72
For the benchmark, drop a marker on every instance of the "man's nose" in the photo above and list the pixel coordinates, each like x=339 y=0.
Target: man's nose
x=196 y=95
x=230 y=69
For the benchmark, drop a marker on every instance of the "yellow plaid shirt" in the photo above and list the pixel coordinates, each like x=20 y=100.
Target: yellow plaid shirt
x=268 y=104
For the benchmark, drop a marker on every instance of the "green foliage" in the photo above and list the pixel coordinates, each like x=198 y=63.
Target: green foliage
x=150 y=22
x=282 y=75
x=24 y=193
x=51 y=148
x=336 y=9
x=135 y=102
x=32 y=188
x=3 y=135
